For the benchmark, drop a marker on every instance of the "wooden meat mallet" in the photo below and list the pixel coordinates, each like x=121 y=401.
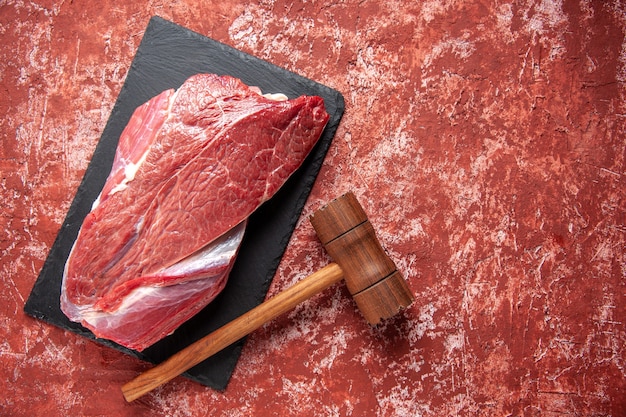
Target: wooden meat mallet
x=371 y=277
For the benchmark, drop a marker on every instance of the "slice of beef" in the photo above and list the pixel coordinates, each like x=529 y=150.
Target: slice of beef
x=190 y=167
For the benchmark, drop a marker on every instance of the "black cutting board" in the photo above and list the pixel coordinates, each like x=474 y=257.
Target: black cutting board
x=167 y=56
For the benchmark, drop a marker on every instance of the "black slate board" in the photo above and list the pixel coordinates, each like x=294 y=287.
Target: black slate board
x=167 y=56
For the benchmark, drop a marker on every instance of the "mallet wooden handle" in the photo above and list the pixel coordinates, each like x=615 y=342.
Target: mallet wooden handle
x=232 y=332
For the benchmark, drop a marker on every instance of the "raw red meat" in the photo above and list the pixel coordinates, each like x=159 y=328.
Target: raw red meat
x=190 y=167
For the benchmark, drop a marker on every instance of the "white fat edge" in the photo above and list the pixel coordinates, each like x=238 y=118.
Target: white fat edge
x=271 y=96
x=96 y=203
x=138 y=297
x=219 y=252
x=223 y=250
x=92 y=316
x=276 y=96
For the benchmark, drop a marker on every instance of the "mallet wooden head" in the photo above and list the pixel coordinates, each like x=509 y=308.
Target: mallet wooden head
x=378 y=289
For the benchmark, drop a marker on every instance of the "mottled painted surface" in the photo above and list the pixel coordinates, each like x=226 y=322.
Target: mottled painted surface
x=485 y=140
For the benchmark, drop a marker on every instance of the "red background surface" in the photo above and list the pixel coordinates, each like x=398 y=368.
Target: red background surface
x=485 y=141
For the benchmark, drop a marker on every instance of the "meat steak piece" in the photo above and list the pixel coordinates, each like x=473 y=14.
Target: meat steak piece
x=190 y=168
